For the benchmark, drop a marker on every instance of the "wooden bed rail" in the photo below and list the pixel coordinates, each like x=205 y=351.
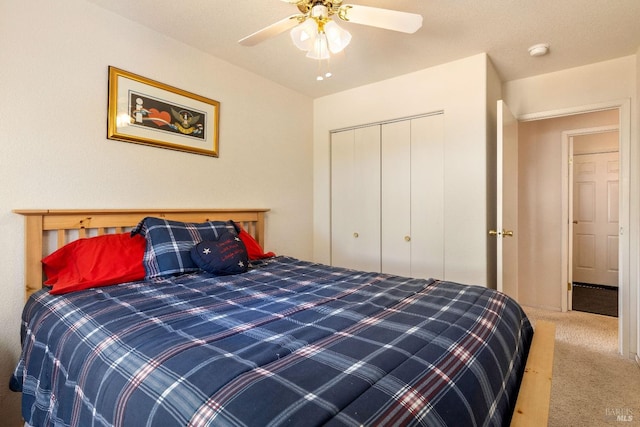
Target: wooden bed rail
x=73 y=224
x=534 y=398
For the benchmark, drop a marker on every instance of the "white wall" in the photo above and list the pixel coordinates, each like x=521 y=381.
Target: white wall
x=459 y=89
x=591 y=84
x=54 y=152
x=579 y=88
x=597 y=143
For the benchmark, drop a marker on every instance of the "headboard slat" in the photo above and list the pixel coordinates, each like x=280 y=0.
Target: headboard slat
x=62 y=238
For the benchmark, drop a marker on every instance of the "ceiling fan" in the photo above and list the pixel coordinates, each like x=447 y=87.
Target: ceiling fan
x=315 y=31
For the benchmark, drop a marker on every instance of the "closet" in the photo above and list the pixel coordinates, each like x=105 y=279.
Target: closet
x=355 y=198
x=387 y=197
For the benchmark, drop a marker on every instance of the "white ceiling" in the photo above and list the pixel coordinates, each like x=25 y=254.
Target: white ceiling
x=579 y=32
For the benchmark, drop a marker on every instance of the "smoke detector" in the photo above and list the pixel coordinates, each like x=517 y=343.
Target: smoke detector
x=539 y=49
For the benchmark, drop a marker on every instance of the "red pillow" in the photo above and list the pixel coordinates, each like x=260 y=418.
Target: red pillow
x=253 y=247
x=96 y=261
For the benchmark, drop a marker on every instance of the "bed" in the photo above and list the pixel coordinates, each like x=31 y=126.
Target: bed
x=284 y=342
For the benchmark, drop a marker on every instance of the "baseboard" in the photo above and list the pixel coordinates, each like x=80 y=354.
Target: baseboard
x=593 y=285
x=638 y=360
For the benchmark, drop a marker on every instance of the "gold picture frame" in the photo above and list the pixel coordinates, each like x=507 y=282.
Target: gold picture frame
x=144 y=111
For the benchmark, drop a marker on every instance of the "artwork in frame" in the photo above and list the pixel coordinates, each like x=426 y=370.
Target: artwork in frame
x=148 y=112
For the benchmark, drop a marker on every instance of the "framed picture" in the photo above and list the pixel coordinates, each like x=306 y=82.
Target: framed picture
x=148 y=112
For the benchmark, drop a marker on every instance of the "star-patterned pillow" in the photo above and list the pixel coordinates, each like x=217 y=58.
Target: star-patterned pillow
x=224 y=256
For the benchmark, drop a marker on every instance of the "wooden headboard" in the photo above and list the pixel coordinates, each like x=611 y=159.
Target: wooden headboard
x=64 y=226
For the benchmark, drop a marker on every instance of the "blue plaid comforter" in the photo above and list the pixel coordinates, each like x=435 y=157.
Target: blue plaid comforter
x=287 y=343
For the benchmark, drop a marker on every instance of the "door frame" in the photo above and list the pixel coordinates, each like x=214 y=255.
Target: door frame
x=567 y=204
x=625 y=310
x=506 y=207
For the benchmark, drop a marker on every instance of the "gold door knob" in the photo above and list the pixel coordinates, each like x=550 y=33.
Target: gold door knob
x=407 y=238
x=503 y=233
x=356 y=235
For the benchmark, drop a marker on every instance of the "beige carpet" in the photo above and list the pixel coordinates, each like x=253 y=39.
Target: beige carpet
x=592 y=385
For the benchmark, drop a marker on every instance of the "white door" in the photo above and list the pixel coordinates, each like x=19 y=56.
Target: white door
x=427 y=197
x=396 y=198
x=355 y=198
x=506 y=232
x=413 y=197
x=595 y=218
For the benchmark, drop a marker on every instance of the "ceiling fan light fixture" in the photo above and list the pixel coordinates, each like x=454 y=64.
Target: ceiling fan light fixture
x=337 y=38
x=304 y=34
x=319 y=35
x=320 y=49
x=319 y=12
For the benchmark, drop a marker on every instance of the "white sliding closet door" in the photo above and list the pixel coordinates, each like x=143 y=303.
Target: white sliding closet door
x=413 y=197
x=355 y=198
x=396 y=198
x=427 y=197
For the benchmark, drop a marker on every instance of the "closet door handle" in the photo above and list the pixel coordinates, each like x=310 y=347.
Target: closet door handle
x=356 y=235
x=407 y=238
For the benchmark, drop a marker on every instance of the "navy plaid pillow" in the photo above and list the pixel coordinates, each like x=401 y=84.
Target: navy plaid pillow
x=169 y=243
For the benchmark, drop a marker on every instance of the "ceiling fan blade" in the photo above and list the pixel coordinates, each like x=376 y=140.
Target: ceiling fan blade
x=382 y=18
x=272 y=30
